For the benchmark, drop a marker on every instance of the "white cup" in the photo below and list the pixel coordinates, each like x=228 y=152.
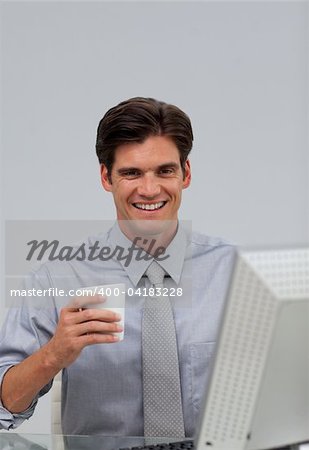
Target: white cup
x=115 y=301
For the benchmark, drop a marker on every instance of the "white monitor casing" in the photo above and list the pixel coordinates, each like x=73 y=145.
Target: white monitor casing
x=258 y=395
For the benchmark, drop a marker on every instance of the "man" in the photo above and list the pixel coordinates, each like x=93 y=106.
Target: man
x=143 y=147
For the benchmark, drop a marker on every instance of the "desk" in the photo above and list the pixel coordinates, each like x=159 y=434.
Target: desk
x=15 y=441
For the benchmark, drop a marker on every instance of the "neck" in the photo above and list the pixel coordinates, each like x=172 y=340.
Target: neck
x=148 y=235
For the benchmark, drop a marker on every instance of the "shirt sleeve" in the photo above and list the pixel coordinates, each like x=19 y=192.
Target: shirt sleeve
x=10 y=420
x=27 y=327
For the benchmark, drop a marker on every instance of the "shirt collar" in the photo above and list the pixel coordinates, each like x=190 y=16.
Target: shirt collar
x=173 y=264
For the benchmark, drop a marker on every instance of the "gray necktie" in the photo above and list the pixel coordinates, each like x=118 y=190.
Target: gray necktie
x=163 y=414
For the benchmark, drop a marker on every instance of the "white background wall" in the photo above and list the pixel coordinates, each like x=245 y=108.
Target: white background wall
x=239 y=69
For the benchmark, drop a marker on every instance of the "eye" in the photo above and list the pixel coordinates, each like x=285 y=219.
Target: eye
x=167 y=171
x=130 y=173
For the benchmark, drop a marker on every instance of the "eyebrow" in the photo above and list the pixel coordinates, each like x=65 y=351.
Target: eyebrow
x=168 y=165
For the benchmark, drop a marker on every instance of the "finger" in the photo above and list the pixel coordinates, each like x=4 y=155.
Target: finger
x=100 y=315
x=86 y=300
x=98 y=327
x=97 y=338
x=71 y=317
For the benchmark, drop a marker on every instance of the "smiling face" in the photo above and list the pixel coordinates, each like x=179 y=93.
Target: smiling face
x=147 y=180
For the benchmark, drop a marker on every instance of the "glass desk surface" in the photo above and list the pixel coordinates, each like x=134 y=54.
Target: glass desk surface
x=15 y=441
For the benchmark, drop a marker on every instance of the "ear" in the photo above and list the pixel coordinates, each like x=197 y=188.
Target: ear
x=187 y=175
x=106 y=183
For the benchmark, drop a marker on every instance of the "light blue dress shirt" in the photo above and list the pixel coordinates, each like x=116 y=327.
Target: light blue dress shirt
x=102 y=390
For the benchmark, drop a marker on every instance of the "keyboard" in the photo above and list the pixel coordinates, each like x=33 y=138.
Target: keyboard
x=181 y=445
x=189 y=445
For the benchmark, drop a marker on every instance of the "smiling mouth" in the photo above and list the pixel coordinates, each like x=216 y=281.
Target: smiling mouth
x=149 y=206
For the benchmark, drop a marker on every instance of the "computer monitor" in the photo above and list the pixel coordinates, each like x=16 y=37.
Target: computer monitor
x=258 y=395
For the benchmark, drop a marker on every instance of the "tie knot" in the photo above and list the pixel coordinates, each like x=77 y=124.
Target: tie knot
x=155 y=273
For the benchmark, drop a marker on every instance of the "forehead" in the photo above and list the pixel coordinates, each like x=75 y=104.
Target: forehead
x=154 y=151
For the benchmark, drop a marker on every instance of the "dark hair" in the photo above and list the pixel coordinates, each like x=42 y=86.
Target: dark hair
x=135 y=120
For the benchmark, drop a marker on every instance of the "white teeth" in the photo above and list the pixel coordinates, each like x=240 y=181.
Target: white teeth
x=149 y=207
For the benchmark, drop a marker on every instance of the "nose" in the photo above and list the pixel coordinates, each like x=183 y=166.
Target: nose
x=149 y=186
